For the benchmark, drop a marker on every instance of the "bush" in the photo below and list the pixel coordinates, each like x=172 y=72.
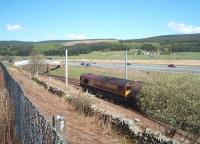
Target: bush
x=174 y=100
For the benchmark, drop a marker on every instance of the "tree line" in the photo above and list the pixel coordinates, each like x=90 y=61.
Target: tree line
x=26 y=49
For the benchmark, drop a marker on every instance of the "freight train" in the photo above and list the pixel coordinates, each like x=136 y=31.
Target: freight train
x=117 y=89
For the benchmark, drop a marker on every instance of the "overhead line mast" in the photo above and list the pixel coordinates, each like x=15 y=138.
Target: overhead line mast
x=66 y=67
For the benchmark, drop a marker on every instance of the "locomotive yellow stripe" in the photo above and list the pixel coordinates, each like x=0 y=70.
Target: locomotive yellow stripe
x=127 y=92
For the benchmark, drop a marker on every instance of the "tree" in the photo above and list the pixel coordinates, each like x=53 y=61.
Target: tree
x=139 y=52
x=148 y=47
x=35 y=62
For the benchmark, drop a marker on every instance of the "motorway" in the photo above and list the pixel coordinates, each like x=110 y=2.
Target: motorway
x=145 y=67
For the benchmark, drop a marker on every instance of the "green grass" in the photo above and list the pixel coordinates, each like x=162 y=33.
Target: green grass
x=75 y=71
x=119 y=55
x=7 y=120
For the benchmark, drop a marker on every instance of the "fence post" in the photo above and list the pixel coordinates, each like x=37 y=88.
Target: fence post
x=59 y=124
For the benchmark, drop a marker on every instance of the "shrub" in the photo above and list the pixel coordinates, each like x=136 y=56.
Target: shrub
x=173 y=99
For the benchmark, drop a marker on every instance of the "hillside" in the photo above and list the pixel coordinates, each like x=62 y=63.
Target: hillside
x=183 y=38
x=23 y=48
x=165 y=45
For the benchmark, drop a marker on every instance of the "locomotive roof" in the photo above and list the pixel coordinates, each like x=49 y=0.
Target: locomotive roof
x=112 y=80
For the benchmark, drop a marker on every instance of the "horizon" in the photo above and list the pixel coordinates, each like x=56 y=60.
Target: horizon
x=78 y=20
x=99 y=38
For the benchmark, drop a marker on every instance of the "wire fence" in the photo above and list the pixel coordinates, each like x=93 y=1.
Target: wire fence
x=31 y=126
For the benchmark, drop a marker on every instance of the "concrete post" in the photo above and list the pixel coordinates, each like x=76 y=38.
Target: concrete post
x=126 y=65
x=48 y=68
x=59 y=124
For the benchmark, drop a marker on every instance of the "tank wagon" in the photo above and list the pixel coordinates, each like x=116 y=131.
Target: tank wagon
x=120 y=90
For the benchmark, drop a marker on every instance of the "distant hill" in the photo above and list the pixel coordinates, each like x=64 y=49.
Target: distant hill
x=14 y=42
x=168 y=39
x=9 y=43
x=52 y=47
x=163 y=44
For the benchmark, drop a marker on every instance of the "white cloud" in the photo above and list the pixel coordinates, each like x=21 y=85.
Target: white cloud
x=75 y=36
x=183 y=28
x=50 y=36
x=13 y=27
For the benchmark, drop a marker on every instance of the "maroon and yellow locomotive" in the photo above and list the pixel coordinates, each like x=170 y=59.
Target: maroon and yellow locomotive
x=114 y=88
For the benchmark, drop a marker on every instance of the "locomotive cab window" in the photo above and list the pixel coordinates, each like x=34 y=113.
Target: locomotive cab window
x=128 y=87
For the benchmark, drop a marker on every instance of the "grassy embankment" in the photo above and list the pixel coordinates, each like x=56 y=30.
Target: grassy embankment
x=173 y=98
x=7 y=128
x=7 y=120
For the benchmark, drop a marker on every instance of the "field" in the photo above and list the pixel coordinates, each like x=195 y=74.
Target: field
x=75 y=71
x=117 y=55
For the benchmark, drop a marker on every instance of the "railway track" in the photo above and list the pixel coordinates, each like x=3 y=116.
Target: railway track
x=170 y=131
x=72 y=81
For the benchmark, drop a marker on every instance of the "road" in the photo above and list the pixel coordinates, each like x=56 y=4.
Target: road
x=145 y=67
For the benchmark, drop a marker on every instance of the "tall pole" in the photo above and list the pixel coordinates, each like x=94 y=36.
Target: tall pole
x=66 y=67
x=126 y=64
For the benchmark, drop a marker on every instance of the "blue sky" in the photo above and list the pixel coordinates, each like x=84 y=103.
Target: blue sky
x=35 y=20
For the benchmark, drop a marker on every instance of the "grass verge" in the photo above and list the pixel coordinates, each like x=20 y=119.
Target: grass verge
x=7 y=121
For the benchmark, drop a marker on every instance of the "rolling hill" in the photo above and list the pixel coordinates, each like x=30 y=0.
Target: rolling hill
x=164 y=44
x=183 y=38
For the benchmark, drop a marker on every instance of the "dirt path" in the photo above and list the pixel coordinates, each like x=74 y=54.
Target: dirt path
x=79 y=129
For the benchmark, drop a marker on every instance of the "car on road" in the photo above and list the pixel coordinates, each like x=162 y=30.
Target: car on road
x=172 y=65
x=88 y=65
x=82 y=63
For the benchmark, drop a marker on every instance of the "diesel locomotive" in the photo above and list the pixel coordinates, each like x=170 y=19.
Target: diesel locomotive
x=120 y=90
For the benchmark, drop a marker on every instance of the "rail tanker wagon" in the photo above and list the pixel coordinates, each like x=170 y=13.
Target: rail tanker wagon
x=114 y=88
